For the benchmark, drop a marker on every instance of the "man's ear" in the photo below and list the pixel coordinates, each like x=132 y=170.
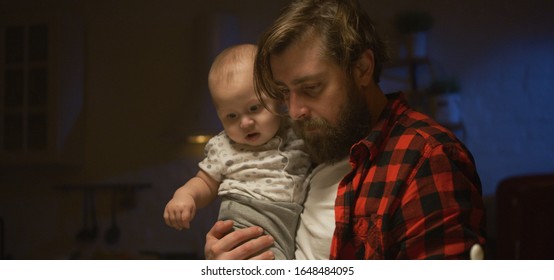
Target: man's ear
x=363 y=71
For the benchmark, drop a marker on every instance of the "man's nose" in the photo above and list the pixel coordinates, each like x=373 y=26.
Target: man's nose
x=297 y=107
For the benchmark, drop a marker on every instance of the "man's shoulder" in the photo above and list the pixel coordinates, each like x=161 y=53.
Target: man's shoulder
x=419 y=127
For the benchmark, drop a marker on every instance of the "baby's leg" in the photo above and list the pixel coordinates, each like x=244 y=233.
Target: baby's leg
x=263 y=214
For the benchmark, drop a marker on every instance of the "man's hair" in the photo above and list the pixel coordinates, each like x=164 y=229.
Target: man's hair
x=345 y=28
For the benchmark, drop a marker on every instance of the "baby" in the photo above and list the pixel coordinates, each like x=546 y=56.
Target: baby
x=257 y=164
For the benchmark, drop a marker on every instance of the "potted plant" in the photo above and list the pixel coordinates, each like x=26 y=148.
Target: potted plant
x=414 y=25
x=446 y=98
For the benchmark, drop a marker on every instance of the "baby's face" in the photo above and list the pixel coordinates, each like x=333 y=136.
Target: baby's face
x=244 y=118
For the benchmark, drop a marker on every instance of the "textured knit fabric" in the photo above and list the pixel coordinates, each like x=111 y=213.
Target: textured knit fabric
x=274 y=171
x=413 y=192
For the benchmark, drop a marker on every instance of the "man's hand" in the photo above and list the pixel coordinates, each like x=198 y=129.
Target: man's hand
x=241 y=244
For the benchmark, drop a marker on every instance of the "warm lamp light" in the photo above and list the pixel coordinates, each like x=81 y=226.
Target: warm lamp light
x=199 y=139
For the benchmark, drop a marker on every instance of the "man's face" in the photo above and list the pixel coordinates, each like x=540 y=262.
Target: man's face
x=327 y=108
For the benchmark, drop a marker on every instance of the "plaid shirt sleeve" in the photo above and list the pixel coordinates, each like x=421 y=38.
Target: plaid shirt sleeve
x=441 y=214
x=414 y=196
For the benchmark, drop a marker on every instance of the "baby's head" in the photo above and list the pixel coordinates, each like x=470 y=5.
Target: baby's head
x=231 y=83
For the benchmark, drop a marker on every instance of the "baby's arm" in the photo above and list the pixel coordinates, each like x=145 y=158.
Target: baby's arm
x=198 y=192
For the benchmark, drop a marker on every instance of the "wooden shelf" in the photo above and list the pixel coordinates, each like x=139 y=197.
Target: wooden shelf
x=114 y=186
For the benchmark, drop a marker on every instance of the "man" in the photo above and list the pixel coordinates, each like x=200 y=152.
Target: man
x=411 y=190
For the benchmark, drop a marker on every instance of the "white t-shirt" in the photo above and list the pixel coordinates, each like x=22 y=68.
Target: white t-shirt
x=317 y=221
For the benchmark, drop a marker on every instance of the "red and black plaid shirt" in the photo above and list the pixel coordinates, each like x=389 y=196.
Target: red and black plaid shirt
x=413 y=192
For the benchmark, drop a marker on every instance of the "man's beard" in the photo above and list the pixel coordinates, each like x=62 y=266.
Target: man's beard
x=332 y=144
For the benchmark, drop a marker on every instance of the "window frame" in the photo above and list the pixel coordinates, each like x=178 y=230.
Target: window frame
x=65 y=88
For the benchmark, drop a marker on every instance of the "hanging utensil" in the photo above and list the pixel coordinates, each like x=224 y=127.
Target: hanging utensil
x=90 y=226
x=113 y=233
x=93 y=232
x=82 y=234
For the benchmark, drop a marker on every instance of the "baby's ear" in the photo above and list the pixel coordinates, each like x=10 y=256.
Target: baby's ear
x=363 y=71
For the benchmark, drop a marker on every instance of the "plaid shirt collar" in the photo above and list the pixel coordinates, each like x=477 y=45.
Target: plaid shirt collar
x=393 y=110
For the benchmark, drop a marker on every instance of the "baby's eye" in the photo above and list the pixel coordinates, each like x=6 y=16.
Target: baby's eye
x=231 y=116
x=255 y=108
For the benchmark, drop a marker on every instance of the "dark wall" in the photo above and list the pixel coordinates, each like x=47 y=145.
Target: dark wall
x=144 y=90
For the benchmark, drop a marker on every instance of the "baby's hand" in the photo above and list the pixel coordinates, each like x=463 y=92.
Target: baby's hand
x=179 y=211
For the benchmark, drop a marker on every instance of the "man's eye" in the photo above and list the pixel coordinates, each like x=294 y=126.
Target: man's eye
x=311 y=89
x=284 y=93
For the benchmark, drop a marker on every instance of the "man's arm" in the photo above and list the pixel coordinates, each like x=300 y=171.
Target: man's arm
x=442 y=208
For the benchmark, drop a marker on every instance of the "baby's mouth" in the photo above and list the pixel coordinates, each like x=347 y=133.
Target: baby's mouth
x=252 y=136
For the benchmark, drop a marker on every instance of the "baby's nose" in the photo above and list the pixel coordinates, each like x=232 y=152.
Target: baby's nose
x=246 y=122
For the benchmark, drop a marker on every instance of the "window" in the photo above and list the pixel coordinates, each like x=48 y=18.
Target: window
x=24 y=121
x=41 y=87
